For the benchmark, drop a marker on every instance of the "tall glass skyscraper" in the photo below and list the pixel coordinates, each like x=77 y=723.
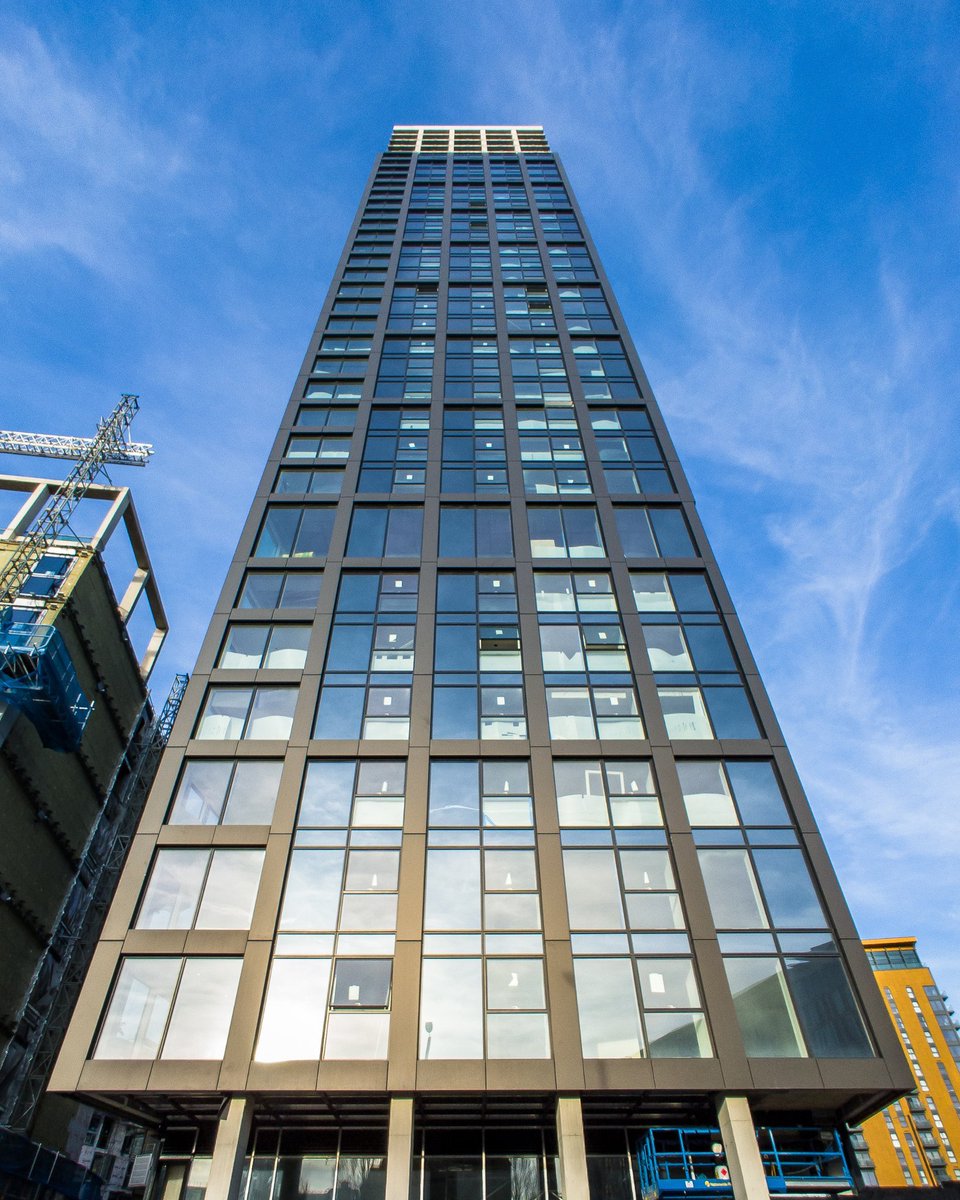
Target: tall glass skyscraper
x=476 y=851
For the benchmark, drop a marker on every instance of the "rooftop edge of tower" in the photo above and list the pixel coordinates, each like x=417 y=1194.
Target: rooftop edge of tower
x=466 y=139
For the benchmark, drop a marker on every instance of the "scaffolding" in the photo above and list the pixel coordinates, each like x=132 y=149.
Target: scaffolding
x=42 y=1020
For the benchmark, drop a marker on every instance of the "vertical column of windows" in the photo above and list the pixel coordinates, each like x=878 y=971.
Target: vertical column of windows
x=632 y=460
x=571 y=263
x=473 y=451
x=628 y=931
x=470 y=309
x=338 y=380
x=790 y=989
x=951 y=1090
x=520 y=263
x=395 y=451
x=418 y=262
x=478 y=682
x=406 y=369
x=328 y=992
x=413 y=309
x=585 y=309
x=528 y=308
x=472 y=369
x=699 y=685
x=328 y=448
x=905 y=1040
x=483 y=992
x=604 y=371
x=368 y=674
x=469 y=262
x=551 y=450
x=538 y=370
x=587 y=670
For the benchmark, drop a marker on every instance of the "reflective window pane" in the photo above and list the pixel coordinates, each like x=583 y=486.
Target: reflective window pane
x=788 y=889
x=593 y=889
x=827 y=1009
x=312 y=893
x=356 y=1036
x=199 y=798
x=253 y=792
x=172 y=893
x=454 y=794
x=705 y=794
x=767 y=1019
x=451 y=1008
x=515 y=983
x=677 y=1035
x=327 y=794
x=732 y=889
x=137 y=1014
x=758 y=793
x=452 y=898
x=272 y=713
x=646 y=870
x=203 y=1008
x=667 y=983
x=517 y=1035
x=607 y=1004
x=231 y=890
x=291 y=1027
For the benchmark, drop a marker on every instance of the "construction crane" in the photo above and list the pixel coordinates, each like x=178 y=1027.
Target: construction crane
x=55 y=445
x=92 y=455
x=37 y=677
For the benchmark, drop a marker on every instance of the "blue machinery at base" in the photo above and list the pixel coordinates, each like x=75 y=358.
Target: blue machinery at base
x=38 y=678
x=675 y=1161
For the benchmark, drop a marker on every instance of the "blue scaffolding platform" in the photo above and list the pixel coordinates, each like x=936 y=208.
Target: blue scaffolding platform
x=38 y=678
x=679 y=1161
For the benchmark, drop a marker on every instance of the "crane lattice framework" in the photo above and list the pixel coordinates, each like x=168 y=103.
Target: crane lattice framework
x=93 y=455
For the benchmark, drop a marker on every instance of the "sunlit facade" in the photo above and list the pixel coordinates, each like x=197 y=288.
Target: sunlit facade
x=477 y=848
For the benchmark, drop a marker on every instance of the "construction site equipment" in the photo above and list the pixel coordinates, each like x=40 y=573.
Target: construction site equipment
x=38 y=678
x=108 y=446
x=55 y=445
x=674 y=1161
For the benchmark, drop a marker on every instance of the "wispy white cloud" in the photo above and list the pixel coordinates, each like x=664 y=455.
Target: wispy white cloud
x=75 y=154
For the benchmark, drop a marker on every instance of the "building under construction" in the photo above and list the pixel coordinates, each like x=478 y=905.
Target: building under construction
x=79 y=740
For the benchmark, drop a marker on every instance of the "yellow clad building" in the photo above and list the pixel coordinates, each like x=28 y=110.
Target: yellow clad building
x=914 y=1142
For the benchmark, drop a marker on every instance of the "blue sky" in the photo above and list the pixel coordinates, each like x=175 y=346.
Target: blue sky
x=774 y=189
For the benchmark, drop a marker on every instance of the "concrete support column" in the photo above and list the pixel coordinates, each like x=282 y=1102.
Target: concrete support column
x=739 y=1139
x=230 y=1148
x=574 y=1183
x=399 y=1148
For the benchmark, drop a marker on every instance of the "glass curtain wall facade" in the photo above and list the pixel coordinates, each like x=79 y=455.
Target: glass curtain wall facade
x=476 y=799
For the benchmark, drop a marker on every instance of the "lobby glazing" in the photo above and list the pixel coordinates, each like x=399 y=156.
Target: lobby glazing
x=476 y=833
